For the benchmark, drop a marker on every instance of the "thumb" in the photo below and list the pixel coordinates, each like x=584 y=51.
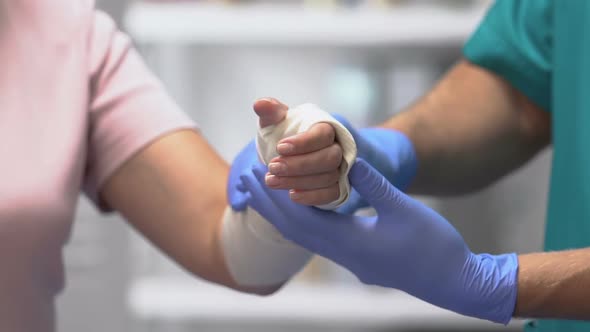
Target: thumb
x=373 y=187
x=270 y=111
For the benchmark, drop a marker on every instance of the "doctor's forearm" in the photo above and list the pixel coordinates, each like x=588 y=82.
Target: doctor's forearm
x=554 y=285
x=470 y=130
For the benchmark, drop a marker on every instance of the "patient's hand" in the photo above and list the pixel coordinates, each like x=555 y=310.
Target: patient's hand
x=308 y=163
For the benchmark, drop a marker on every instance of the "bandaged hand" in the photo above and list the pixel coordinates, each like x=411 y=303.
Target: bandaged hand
x=300 y=120
x=308 y=163
x=315 y=168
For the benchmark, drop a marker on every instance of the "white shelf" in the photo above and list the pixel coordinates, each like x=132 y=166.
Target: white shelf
x=168 y=299
x=194 y=23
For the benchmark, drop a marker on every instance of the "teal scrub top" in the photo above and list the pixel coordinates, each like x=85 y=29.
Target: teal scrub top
x=542 y=48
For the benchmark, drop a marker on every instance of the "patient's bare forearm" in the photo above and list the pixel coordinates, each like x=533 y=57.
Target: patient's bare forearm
x=173 y=192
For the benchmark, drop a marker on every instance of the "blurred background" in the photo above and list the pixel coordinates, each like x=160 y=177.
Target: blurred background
x=363 y=59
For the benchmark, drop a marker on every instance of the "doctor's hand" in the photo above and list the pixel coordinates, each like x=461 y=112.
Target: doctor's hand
x=308 y=163
x=389 y=151
x=407 y=246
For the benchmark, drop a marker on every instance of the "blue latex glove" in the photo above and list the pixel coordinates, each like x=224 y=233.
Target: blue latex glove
x=407 y=246
x=244 y=161
x=389 y=151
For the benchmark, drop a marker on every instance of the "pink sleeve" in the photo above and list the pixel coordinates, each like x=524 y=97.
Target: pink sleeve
x=128 y=106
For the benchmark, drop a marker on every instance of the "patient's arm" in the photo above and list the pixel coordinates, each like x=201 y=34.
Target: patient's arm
x=166 y=181
x=173 y=192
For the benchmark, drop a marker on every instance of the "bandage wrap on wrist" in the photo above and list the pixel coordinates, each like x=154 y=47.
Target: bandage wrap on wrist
x=256 y=253
x=301 y=119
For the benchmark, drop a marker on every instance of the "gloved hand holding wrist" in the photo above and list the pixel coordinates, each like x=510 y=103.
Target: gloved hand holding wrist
x=408 y=246
x=389 y=151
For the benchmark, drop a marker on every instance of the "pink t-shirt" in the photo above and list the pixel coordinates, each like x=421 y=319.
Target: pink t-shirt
x=76 y=102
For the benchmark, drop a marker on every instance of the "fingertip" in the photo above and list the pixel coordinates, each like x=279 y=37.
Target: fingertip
x=263 y=103
x=296 y=196
x=242 y=204
x=260 y=171
x=320 y=136
x=260 y=167
x=270 y=111
x=251 y=145
x=288 y=146
x=264 y=100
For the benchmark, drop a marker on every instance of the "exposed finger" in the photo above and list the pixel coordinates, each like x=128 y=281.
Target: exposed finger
x=292 y=210
x=316 y=197
x=372 y=186
x=317 y=162
x=270 y=111
x=319 y=136
x=309 y=182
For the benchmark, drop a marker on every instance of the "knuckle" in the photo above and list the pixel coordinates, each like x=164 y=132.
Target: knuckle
x=281 y=182
x=326 y=133
x=304 y=165
x=292 y=166
x=334 y=155
x=311 y=164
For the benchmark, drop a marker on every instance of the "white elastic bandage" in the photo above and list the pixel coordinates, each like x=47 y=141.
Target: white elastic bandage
x=301 y=119
x=256 y=253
